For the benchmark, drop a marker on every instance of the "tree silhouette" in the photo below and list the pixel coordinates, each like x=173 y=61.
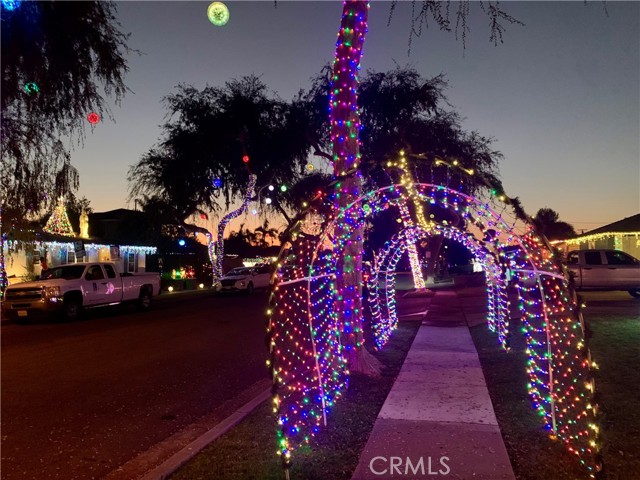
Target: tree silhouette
x=211 y=128
x=209 y=133
x=548 y=222
x=59 y=62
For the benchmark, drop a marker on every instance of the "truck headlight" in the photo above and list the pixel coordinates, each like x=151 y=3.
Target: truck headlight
x=51 y=292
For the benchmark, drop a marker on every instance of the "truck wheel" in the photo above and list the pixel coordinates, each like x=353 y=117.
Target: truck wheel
x=144 y=302
x=71 y=309
x=250 y=288
x=635 y=293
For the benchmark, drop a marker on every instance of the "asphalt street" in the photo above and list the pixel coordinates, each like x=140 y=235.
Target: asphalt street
x=80 y=399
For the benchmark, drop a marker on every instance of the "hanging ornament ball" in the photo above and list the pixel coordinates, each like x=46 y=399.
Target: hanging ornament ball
x=218 y=14
x=310 y=167
x=245 y=158
x=31 y=88
x=93 y=118
x=217 y=182
x=267 y=201
x=283 y=188
x=271 y=188
x=203 y=216
x=254 y=211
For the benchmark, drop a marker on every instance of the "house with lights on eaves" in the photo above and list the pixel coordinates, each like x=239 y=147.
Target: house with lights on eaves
x=115 y=236
x=623 y=235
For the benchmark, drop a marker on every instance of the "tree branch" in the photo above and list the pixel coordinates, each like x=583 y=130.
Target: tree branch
x=279 y=207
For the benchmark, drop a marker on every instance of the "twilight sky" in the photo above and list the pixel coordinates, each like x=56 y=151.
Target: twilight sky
x=561 y=96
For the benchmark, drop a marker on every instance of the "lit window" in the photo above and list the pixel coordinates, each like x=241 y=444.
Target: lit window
x=131 y=264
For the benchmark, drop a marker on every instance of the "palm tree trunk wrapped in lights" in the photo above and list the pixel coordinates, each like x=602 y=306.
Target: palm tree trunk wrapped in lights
x=345 y=127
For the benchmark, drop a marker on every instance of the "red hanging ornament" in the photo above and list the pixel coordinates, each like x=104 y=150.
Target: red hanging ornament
x=245 y=158
x=93 y=118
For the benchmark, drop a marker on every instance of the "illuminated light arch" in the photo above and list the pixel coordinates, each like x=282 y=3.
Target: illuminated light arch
x=384 y=318
x=307 y=359
x=497 y=298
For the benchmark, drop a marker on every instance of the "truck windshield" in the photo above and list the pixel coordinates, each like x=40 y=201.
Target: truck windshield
x=68 y=272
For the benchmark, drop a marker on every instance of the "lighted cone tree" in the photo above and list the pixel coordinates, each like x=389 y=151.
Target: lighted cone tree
x=58 y=222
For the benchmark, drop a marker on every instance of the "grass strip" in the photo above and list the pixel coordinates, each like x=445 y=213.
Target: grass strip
x=615 y=346
x=249 y=450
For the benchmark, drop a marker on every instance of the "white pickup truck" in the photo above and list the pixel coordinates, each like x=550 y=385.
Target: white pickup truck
x=604 y=270
x=68 y=289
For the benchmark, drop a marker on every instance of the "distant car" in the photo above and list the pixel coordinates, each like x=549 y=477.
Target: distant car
x=245 y=279
x=605 y=270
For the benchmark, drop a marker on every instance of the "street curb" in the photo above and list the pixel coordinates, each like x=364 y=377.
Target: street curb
x=177 y=460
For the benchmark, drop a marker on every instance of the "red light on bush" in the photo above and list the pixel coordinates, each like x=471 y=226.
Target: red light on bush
x=245 y=158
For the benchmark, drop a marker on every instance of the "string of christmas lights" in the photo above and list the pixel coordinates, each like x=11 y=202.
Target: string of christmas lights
x=412 y=250
x=598 y=236
x=217 y=253
x=94 y=248
x=4 y=281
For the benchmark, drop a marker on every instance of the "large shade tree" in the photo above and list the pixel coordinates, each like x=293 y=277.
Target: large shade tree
x=210 y=130
x=402 y=110
x=213 y=140
x=60 y=61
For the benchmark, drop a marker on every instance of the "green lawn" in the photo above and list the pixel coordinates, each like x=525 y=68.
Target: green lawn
x=249 y=450
x=615 y=346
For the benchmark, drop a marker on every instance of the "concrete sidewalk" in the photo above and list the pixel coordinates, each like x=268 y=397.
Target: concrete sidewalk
x=438 y=420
